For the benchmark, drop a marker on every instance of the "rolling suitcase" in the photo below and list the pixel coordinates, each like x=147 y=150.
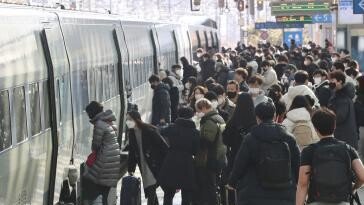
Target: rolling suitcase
x=130 y=191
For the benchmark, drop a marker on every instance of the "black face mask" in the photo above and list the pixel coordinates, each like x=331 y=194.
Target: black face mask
x=153 y=86
x=231 y=94
x=332 y=85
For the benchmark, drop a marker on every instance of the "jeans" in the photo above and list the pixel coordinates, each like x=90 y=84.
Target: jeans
x=169 y=194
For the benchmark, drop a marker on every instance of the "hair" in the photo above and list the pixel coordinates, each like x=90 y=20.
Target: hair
x=242 y=72
x=244 y=114
x=206 y=55
x=324 y=121
x=353 y=64
x=255 y=79
x=265 y=111
x=175 y=67
x=199 y=50
x=301 y=77
x=275 y=92
x=265 y=63
x=282 y=58
x=168 y=81
x=210 y=95
x=338 y=75
x=203 y=103
x=320 y=72
x=185 y=112
x=218 y=89
x=135 y=115
x=201 y=89
x=184 y=61
x=339 y=66
x=300 y=101
x=219 y=56
x=233 y=82
x=345 y=51
x=93 y=109
x=323 y=64
x=154 y=78
x=209 y=81
x=335 y=54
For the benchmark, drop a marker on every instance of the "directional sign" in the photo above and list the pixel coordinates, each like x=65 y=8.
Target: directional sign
x=322 y=18
x=294 y=19
x=264 y=35
x=277 y=25
x=358 y=6
x=346 y=14
x=299 y=8
x=296 y=35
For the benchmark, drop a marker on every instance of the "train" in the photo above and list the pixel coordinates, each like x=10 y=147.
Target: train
x=52 y=64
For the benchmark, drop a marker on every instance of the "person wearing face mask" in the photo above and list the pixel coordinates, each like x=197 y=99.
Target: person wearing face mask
x=343 y=106
x=232 y=90
x=161 y=102
x=222 y=71
x=280 y=67
x=147 y=149
x=188 y=70
x=255 y=91
x=224 y=104
x=211 y=156
x=241 y=76
x=176 y=75
x=269 y=76
x=335 y=57
x=207 y=67
x=321 y=87
x=212 y=97
x=197 y=94
x=189 y=87
x=309 y=66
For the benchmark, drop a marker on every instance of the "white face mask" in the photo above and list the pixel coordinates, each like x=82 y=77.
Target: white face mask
x=199 y=55
x=188 y=85
x=200 y=114
x=304 y=54
x=221 y=100
x=334 y=60
x=130 y=124
x=214 y=104
x=199 y=96
x=179 y=72
x=254 y=91
x=317 y=80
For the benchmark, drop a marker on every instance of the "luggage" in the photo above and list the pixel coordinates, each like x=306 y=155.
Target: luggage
x=130 y=191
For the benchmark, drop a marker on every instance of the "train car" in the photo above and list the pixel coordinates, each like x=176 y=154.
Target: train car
x=53 y=63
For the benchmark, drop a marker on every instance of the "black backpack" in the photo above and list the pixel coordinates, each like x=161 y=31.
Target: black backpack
x=331 y=178
x=274 y=165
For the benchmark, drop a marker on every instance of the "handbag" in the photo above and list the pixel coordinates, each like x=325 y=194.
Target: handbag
x=91 y=159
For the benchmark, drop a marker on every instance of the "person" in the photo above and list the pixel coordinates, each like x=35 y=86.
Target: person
x=265 y=170
x=280 y=67
x=275 y=93
x=359 y=112
x=269 y=76
x=241 y=76
x=232 y=90
x=222 y=71
x=211 y=156
x=349 y=80
x=176 y=75
x=298 y=122
x=255 y=90
x=300 y=88
x=326 y=167
x=177 y=171
x=174 y=97
x=310 y=66
x=161 y=103
x=224 y=104
x=343 y=106
x=147 y=149
x=188 y=70
x=241 y=122
x=104 y=173
x=197 y=94
x=190 y=85
x=207 y=67
x=321 y=87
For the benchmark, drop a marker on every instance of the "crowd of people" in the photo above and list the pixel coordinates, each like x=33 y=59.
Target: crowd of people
x=252 y=126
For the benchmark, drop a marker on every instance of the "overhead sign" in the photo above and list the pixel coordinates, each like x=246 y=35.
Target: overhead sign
x=346 y=14
x=299 y=8
x=358 y=7
x=322 y=18
x=294 y=19
x=277 y=25
x=296 y=35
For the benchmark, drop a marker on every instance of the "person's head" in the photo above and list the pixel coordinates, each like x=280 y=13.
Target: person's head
x=203 y=106
x=154 y=81
x=220 y=92
x=255 y=84
x=275 y=92
x=198 y=92
x=185 y=112
x=324 y=121
x=282 y=59
x=218 y=57
x=232 y=89
x=300 y=101
x=301 y=77
x=338 y=65
x=240 y=75
x=308 y=60
x=133 y=119
x=209 y=83
x=177 y=70
x=191 y=83
x=319 y=76
x=337 y=80
x=265 y=65
x=199 y=52
x=206 y=56
x=212 y=97
x=93 y=109
x=265 y=112
x=324 y=65
x=244 y=114
x=344 y=53
x=184 y=61
x=335 y=57
x=162 y=74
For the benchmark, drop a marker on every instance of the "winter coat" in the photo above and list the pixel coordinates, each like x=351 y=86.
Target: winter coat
x=222 y=73
x=298 y=90
x=174 y=96
x=207 y=69
x=299 y=114
x=210 y=128
x=310 y=69
x=176 y=81
x=177 y=170
x=154 y=150
x=280 y=69
x=161 y=107
x=243 y=86
x=188 y=71
x=228 y=107
x=244 y=175
x=323 y=93
x=342 y=104
x=106 y=169
x=359 y=109
x=269 y=79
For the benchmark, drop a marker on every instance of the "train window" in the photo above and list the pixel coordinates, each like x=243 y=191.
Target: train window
x=99 y=86
x=106 y=82
x=80 y=90
x=20 y=114
x=113 y=81
x=47 y=114
x=92 y=84
x=34 y=109
x=5 y=125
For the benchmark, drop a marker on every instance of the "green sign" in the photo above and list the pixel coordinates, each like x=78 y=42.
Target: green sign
x=294 y=19
x=299 y=8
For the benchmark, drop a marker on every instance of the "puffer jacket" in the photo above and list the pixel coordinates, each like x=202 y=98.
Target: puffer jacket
x=298 y=90
x=161 y=106
x=106 y=169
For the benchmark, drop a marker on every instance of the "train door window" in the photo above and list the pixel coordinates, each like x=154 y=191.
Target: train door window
x=92 y=84
x=84 y=89
x=99 y=86
x=46 y=118
x=5 y=125
x=20 y=114
x=106 y=82
x=113 y=80
x=34 y=101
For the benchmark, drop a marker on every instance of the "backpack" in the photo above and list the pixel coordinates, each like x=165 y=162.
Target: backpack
x=274 y=165
x=217 y=160
x=302 y=131
x=331 y=178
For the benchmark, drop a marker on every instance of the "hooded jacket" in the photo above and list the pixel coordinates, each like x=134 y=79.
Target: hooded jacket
x=161 y=107
x=269 y=79
x=323 y=93
x=298 y=90
x=106 y=169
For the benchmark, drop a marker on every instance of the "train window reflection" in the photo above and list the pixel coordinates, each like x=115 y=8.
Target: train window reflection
x=20 y=114
x=47 y=120
x=5 y=125
x=34 y=109
x=99 y=92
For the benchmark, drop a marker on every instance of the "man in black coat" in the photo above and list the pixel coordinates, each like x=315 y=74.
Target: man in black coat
x=248 y=174
x=321 y=87
x=343 y=106
x=188 y=70
x=161 y=105
x=207 y=67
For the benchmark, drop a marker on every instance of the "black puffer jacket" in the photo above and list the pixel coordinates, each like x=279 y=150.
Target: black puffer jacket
x=244 y=175
x=342 y=104
x=207 y=69
x=161 y=107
